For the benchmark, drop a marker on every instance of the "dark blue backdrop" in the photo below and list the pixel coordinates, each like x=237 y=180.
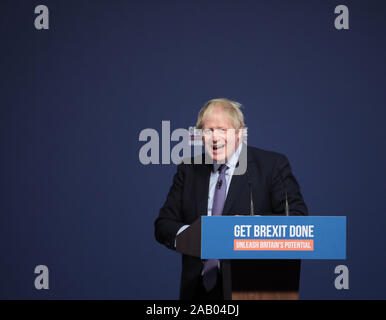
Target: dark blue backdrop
x=74 y=99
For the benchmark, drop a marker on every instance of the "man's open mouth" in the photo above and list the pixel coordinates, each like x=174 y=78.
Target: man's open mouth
x=217 y=147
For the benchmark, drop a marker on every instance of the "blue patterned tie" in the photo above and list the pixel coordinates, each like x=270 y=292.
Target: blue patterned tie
x=210 y=266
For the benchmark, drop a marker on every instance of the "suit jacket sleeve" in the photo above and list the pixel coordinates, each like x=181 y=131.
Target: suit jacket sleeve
x=170 y=218
x=296 y=203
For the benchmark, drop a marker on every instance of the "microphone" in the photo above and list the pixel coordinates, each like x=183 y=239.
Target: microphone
x=285 y=193
x=219 y=184
x=251 y=206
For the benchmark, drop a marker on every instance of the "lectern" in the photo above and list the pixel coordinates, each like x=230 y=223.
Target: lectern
x=260 y=255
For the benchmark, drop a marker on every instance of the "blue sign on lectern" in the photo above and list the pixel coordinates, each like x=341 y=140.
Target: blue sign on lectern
x=273 y=237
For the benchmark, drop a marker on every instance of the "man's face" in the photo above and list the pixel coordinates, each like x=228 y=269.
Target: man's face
x=220 y=137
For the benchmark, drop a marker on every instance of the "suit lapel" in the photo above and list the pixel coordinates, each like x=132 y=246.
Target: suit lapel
x=239 y=183
x=202 y=177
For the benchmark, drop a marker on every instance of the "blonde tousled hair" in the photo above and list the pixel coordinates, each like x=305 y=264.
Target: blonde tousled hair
x=232 y=108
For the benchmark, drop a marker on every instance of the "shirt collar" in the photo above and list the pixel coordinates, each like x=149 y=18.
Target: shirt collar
x=232 y=161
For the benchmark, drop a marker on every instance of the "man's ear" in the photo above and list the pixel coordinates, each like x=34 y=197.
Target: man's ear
x=240 y=133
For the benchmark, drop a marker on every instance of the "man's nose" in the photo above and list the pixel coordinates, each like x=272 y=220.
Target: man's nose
x=215 y=136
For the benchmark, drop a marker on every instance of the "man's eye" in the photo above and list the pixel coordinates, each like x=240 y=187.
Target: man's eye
x=221 y=131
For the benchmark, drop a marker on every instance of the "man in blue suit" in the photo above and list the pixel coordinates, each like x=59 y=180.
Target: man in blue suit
x=217 y=187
